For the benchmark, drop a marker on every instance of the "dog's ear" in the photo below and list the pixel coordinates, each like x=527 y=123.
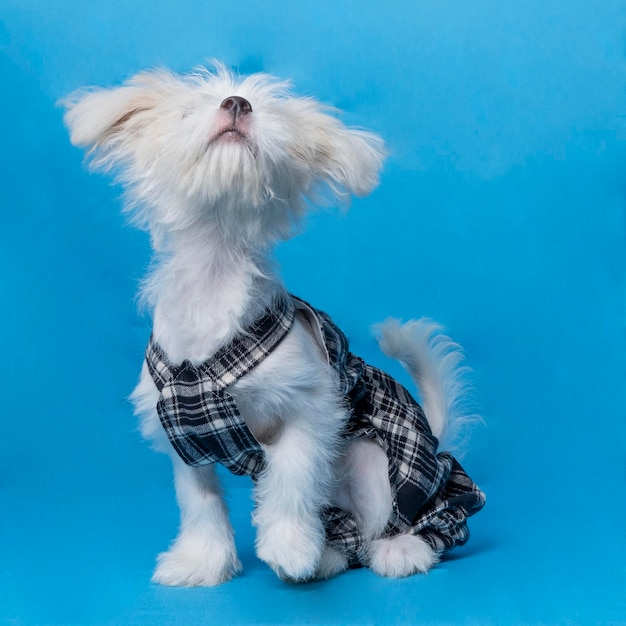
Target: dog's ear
x=104 y=120
x=93 y=116
x=346 y=159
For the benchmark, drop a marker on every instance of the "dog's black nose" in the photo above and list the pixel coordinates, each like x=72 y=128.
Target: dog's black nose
x=236 y=105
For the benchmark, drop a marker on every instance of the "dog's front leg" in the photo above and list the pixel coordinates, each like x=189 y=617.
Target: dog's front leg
x=290 y=494
x=204 y=552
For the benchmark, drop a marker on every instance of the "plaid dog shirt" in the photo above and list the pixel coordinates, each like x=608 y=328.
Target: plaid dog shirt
x=431 y=493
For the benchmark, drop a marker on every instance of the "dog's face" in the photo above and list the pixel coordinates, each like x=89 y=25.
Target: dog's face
x=242 y=152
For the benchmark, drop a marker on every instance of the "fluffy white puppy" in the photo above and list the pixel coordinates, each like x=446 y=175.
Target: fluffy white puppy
x=218 y=168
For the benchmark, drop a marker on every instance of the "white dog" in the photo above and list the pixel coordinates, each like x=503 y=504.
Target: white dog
x=218 y=168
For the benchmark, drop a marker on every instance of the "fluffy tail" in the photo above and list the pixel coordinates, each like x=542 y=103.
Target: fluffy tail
x=434 y=362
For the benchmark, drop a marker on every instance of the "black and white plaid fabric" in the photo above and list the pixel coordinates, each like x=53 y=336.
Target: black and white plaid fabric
x=432 y=495
x=200 y=417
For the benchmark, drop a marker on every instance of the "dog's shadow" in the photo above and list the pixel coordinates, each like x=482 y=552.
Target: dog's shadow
x=254 y=568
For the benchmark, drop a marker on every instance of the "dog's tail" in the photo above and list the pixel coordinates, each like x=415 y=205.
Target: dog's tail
x=434 y=362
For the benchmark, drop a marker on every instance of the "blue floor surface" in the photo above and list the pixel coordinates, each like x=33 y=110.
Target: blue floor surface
x=501 y=213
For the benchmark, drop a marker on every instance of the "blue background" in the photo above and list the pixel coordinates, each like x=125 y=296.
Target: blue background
x=500 y=214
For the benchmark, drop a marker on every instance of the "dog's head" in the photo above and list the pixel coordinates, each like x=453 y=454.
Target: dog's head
x=243 y=153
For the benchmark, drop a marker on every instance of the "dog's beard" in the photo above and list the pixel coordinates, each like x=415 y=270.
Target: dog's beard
x=228 y=174
x=239 y=191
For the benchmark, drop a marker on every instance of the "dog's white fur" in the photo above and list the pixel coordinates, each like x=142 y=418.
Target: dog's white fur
x=217 y=188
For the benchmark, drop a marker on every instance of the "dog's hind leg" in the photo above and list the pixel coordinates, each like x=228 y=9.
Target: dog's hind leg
x=204 y=552
x=364 y=489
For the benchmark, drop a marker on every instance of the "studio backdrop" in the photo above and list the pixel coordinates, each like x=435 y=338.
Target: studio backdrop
x=500 y=214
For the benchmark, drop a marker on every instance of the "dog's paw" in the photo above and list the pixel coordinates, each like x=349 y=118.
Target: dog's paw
x=184 y=566
x=399 y=556
x=293 y=550
x=331 y=564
